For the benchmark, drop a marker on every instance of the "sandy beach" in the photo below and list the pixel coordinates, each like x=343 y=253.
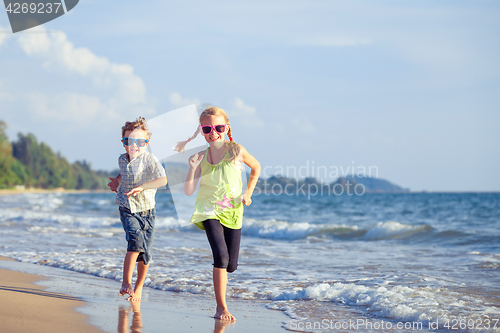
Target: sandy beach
x=66 y=301
x=27 y=307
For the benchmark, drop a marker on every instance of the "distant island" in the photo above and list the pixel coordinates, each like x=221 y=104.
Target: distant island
x=350 y=185
x=27 y=163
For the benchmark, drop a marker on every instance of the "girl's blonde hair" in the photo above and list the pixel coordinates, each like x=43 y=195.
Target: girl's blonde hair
x=234 y=149
x=138 y=123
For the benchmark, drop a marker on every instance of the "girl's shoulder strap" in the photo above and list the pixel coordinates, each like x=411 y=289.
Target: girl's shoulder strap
x=205 y=156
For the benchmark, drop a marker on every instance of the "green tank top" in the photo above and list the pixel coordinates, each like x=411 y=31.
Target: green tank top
x=219 y=196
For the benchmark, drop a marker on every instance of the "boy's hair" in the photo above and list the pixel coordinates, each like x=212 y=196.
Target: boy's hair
x=138 y=123
x=210 y=111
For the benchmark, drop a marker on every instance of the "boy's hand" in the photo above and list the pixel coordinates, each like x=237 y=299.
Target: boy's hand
x=134 y=191
x=113 y=184
x=246 y=199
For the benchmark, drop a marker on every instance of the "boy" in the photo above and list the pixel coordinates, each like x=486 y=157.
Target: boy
x=140 y=175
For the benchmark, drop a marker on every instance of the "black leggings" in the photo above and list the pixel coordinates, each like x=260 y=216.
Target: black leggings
x=225 y=244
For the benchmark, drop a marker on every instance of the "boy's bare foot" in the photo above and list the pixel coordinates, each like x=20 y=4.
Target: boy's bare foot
x=136 y=296
x=126 y=289
x=223 y=314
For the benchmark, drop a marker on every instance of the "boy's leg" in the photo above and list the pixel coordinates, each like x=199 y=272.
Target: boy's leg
x=147 y=222
x=128 y=271
x=142 y=271
x=132 y=228
x=139 y=234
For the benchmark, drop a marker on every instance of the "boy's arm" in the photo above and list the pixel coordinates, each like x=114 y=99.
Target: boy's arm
x=158 y=182
x=115 y=182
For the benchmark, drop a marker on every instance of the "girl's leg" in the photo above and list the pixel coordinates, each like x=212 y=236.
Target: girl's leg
x=232 y=238
x=220 y=286
x=215 y=235
x=128 y=271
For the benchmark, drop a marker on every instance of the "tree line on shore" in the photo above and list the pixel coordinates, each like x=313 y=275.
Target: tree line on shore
x=32 y=164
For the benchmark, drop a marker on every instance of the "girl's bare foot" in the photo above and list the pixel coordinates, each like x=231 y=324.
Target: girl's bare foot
x=136 y=296
x=126 y=289
x=223 y=314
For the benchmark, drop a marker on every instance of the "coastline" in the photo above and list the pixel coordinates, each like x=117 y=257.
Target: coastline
x=91 y=304
x=4 y=192
x=27 y=307
x=39 y=190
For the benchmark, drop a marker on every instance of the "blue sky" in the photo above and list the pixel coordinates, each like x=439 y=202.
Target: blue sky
x=410 y=88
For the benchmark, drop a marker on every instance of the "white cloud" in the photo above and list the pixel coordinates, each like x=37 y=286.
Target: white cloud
x=77 y=107
x=61 y=92
x=246 y=113
x=114 y=87
x=177 y=101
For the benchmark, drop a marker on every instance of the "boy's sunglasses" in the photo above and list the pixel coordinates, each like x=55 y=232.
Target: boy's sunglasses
x=138 y=142
x=207 y=129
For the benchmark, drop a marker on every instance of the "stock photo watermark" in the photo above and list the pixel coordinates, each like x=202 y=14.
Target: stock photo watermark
x=26 y=14
x=376 y=325
x=303 y=180
x=354 y=325
x=310 y=169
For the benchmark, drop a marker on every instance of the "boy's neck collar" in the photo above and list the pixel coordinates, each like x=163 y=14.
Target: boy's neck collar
x=128 y=156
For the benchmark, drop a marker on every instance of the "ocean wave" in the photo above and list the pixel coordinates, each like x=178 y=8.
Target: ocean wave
x=274 y=229
x=393 y=230
x=42 y=218
x=284 y=230
x=401 y=303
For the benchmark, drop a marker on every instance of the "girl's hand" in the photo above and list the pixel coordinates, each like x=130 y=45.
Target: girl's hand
x=246 y=199
x=113 y=184
x=195 y=160
x=134 y=191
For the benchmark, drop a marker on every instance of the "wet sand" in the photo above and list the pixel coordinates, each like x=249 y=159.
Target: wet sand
x=67 y=301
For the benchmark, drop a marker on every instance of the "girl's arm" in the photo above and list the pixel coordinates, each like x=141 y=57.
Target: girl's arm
x=252 y=162
x=193 y=174
x=158 y=182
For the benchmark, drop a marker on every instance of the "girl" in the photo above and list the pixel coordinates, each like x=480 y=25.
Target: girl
x=219 y=203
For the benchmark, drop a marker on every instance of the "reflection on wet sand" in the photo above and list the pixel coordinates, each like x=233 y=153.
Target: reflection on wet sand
x=136 y=325
x=123 y=318
x=221 y=325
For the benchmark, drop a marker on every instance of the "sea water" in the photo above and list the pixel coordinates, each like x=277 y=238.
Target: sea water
x=329 y=262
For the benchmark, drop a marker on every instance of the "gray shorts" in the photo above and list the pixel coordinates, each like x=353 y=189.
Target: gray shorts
x=139 y=230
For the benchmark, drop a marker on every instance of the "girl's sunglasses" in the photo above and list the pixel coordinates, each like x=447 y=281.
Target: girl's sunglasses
x=138 y=142
x=207 y=129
